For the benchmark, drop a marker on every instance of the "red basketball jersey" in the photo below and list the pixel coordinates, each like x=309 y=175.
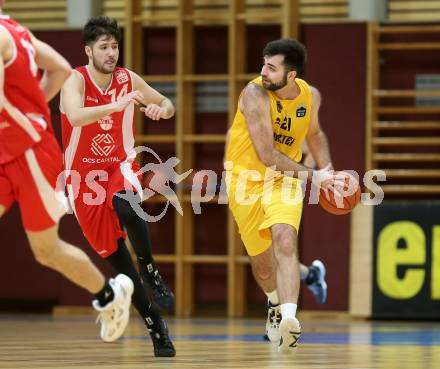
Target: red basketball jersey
x=107 y=143
x=25 y=114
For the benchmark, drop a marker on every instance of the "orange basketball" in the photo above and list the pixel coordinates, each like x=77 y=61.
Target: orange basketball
x=343 y=205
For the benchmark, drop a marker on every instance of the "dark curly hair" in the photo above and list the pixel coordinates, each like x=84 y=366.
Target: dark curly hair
x=100 y=26
x=294 y=53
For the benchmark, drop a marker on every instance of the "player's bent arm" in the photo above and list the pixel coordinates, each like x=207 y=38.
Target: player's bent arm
x=56 y=68
x=255 y=106
x=72 y=103
x=316 y=138
x=151 y=96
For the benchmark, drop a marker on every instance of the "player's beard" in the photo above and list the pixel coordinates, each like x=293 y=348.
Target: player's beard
x=102 y=67
x=276 y=86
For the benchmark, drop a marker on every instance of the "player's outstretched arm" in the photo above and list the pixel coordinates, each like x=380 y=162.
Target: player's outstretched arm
x=72 y=103
x=157 y=106
x=56 y=68
x=316 y=138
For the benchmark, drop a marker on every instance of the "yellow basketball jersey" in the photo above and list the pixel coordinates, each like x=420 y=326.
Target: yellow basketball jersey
x=290 y=123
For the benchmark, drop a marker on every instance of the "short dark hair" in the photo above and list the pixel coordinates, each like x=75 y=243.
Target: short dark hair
x=294 y=53
x=100 y=26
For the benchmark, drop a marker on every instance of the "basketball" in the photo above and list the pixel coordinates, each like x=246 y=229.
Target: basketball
x=340 y=206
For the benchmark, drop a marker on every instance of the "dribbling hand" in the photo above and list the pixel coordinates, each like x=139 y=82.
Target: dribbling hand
x=327 y=179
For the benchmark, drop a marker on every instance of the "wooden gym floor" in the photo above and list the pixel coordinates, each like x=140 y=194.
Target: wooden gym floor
x=44 y=341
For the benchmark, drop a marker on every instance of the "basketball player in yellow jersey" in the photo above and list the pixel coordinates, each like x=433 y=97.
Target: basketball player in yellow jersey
x=276 y=113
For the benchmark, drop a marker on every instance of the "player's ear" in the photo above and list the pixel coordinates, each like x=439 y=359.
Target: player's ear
x=88 y=51
x=291 y=75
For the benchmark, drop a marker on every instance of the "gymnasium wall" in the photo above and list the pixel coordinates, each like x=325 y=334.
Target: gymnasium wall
x=336 y=66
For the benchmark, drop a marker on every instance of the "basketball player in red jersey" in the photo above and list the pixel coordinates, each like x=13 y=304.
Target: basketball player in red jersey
x=30 y=161
x=97 y=106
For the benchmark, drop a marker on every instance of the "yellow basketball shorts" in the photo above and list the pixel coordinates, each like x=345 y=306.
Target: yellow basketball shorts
x=257 y=206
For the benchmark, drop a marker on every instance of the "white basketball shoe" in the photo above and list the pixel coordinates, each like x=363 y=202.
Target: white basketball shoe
x=115 y=315
x=290 y=331
x=273 y=322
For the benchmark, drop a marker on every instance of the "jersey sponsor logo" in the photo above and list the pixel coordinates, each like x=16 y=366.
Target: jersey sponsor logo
x=121 y=76
x=111 y=159
x=284 y=124
x=89 y=98
x=301 y=112
x=103 y=144
x=282 y=139
x=106 y=123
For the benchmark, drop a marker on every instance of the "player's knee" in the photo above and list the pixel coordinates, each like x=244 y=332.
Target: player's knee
x=43 y=253
x=285 y=244
x=47 y=253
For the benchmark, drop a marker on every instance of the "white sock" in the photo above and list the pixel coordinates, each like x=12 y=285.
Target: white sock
x=288 y=310
x=273 y=297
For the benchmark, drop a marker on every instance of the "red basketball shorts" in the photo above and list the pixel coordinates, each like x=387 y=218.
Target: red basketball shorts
x=92 y=203
x=30 y=180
